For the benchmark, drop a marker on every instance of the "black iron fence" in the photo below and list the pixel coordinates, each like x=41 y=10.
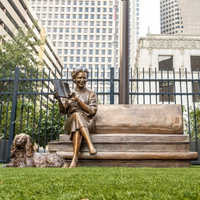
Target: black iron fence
x=27 y=104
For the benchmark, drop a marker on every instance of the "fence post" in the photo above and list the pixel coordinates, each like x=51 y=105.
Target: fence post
x=112 y=85
x=13 y=111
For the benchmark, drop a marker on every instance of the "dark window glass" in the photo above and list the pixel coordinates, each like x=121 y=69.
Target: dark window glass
x=195 y=63
x=165 y=63
x=166 y=87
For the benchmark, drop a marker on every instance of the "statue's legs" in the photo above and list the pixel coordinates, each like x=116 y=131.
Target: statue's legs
x=85 y=133
x=77 y=138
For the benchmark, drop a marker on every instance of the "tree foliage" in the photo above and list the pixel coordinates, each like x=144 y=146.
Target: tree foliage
x=192 y=122
x=20 y=52
x=43 y=123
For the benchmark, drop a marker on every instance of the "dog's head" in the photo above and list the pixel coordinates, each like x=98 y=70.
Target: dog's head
x=22 y=141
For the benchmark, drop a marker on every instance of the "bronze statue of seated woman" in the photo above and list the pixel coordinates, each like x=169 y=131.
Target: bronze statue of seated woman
x=80 y=108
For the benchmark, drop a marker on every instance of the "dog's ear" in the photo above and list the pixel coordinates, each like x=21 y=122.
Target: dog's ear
x=13 y=147
x=29 y=147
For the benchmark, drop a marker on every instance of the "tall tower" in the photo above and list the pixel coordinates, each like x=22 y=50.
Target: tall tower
x=180 y=16
x=82 y=31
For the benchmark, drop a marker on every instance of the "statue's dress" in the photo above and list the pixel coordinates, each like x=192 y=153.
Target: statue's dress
x=76 y=116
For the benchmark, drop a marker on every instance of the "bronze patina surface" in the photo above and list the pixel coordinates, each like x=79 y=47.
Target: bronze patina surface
x=80 y=109
x=153 y=119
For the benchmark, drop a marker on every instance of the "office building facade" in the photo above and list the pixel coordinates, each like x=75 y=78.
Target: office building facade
x=180 y=17
x=82 y=31
x=15 y=14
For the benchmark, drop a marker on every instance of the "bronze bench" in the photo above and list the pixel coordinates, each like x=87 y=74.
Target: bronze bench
x=134 y=136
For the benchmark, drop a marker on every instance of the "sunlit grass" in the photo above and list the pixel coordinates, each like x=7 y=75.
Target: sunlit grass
x=99 y=183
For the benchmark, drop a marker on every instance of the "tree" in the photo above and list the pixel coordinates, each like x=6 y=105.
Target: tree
x=42 y=123
x=19 y=52
x=192 y=122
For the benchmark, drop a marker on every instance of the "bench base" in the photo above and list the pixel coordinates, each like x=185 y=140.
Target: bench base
x=130 y=150
x=134 y=163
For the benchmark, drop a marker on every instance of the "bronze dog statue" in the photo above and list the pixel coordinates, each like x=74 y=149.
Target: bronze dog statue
x=23 y=155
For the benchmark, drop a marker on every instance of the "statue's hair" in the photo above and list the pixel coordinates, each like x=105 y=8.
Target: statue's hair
x=77 y=70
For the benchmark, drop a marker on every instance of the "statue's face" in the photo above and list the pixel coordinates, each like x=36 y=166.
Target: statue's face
x=81 y=80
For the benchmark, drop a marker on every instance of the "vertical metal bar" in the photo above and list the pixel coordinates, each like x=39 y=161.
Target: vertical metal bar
x=112 y=85
x=40 y=121
x=124 y=53
x=156 y=86
x=35 y=97
x=137 y=88
x=180 y=86
x=22 y=105
x=162 y=85
x=45 y=135
x=104 y=85
x=97 y=81
x=188 y=112
x=168 y=85
x=52 y=129
x=174 y=86
x=195 y=123
x=13 y=111
x=27 y=119
x=143 y=87
x=150 y=84
x=131 y=82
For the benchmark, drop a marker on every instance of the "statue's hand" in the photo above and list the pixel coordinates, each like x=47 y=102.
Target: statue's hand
x=74 y=97
x=56 y=96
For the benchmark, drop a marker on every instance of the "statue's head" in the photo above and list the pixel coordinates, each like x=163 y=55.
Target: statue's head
x=80 y=76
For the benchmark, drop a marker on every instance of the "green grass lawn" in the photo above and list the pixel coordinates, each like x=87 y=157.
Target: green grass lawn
x=99 y=183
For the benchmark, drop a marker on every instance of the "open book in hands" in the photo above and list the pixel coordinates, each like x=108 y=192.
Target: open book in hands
x=62 y=88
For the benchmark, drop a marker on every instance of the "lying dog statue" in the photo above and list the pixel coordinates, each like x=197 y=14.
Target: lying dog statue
x=23 y=155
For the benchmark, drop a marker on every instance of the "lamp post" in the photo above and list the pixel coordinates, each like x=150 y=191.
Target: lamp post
x=124 y=53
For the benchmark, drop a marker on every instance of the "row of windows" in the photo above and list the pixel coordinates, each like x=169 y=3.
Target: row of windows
x=75 y=9
x=63 y=2
x=84 y=59
x=90 y=66
x=85 y=44
x=79 y=30
x=80 y=23
x=84 y=51
x=79 y=37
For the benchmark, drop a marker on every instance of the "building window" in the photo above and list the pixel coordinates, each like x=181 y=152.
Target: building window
x=165 y=63
x=166 y=87
x=195 y=63
x=196 y=89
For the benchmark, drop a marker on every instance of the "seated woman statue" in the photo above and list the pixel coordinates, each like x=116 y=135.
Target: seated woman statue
x=80 y=109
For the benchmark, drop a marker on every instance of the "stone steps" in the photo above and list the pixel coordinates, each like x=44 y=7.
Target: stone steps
x=127 y=143
x=130 y=150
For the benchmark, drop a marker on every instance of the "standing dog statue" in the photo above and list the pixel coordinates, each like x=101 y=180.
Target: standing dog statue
x=23 y=155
